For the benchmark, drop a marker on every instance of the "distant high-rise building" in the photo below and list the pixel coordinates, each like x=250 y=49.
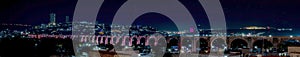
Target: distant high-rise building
x=67 y=19
x=52 y=18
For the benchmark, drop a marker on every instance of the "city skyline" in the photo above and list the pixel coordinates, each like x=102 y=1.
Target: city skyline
x=142 y=28
x=252 y=13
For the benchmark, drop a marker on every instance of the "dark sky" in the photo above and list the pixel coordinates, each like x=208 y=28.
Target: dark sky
x=239 y=13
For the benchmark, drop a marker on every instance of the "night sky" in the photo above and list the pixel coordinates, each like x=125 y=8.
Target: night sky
x=239 y=13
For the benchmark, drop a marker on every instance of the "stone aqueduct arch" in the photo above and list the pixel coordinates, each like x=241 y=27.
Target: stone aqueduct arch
x=231 y=39
x=250 y=40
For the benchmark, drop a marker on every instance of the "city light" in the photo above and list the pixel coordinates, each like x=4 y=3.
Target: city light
x=209 y=28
